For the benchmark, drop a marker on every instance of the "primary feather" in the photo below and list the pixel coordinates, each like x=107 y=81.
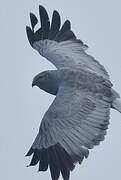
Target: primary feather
x=61 y=47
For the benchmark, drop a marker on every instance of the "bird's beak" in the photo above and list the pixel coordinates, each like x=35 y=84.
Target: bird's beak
x=33 y=84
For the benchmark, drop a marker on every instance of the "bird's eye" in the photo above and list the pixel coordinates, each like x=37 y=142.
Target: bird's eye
x=41 y=77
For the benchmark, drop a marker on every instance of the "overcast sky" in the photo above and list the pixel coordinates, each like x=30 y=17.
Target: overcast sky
x=98 y=24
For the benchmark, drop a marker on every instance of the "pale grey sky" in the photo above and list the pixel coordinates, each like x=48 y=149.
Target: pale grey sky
x=98 y=24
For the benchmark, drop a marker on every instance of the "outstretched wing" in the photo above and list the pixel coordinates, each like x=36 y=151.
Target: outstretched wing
x=60 y=45
x=75 y=122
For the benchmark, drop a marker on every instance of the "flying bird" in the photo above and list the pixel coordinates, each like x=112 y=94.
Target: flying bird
x=78 y=118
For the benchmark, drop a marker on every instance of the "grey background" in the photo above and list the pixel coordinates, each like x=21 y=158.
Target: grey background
x=98 y=24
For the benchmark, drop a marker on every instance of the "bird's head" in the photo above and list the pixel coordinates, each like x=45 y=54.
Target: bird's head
x=47 y=81
x=38 y=80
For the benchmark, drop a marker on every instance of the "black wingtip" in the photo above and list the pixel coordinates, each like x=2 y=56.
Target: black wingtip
x=43 y=164
x=41 y=7
x=33 y=20
x=30 y=152
x=68 y=35
x=47 y=31
x=56 y=157
x=55 y=25
x=56 y=13
x=42 y=10
x=36 y=157
x=38 y=34
x=66 y=27
x=45 y=22
x=30 y=35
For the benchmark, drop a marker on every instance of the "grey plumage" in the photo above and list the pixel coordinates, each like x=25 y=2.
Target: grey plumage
x=78 y=118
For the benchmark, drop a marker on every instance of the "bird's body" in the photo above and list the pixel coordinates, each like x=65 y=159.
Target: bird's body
x=79 y=116
x=76 y=90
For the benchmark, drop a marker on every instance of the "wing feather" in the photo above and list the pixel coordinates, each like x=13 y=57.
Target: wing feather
x=45 y=22
x=33 y=20
x=60 y=45
x=66 y=27
x=38 y=34
x=55 y=25
x=30 y=35
x=75 y=122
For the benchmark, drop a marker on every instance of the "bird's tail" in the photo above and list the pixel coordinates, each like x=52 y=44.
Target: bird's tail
x=116 y=104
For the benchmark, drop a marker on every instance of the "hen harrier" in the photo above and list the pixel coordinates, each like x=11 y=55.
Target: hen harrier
x=79 y=116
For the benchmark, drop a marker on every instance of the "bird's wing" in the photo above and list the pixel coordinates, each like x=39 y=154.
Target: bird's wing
x=75 y=122
x=60 y=45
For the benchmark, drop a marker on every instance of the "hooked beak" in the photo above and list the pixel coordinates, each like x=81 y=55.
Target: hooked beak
x=33 y=84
